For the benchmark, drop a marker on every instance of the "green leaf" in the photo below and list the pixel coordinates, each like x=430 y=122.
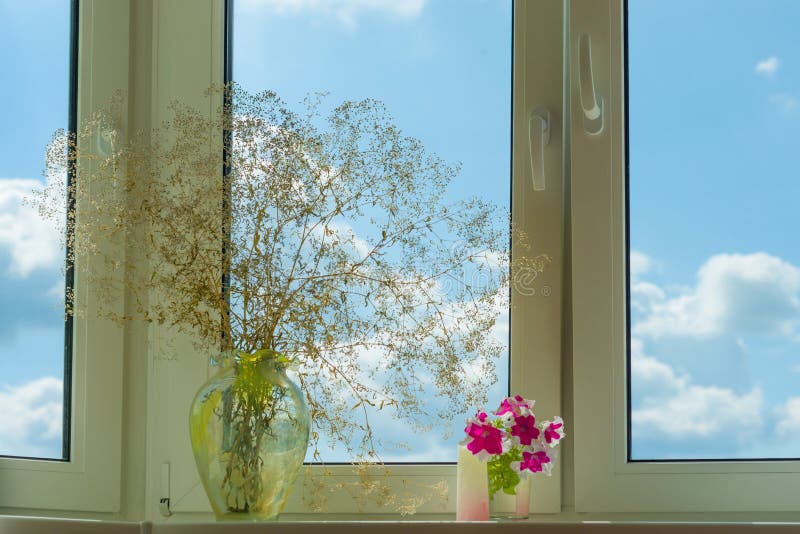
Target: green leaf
x=501 y=476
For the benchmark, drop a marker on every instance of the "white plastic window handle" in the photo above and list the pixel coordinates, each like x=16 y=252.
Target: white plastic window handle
x=591 y=102
x=538 y=138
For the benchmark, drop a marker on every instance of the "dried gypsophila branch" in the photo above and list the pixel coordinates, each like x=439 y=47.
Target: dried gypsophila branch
x=329 y=241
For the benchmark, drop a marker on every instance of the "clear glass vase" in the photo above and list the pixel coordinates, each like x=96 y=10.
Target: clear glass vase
x=517 y=506
x=249 y=427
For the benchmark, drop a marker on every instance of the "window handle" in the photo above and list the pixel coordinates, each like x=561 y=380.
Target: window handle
x=591 y=102
x=106 y=139
x=538 y=138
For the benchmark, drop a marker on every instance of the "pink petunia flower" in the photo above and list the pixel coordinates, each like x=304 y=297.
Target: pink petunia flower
x=505 y=407
x=485 y=437
x=553 y=431
x=513 y=406
x=533 y=462
x=524 y=429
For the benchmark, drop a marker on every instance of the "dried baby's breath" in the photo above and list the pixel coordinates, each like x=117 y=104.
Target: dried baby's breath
x=329 y=239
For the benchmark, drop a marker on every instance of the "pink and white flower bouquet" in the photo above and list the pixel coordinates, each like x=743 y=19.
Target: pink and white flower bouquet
x=514 y=445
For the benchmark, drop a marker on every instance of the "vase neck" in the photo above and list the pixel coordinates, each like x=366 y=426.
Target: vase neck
x=262 y=359
x=265 y=360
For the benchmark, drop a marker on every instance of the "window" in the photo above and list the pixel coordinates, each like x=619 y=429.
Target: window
x=569 y=59
x=443 y=71
x=166 y=50
x=713 y=312
x=181 y=71
x=53 y=67
x=684 y=334
x=35 y=357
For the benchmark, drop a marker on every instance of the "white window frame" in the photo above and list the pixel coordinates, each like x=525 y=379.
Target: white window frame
x=604 y=480
x=183 y=55
x=187 y=54
x=90 y=480
x=175 y=49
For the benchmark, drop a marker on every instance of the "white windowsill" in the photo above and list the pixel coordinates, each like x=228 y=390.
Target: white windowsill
x=351 y=524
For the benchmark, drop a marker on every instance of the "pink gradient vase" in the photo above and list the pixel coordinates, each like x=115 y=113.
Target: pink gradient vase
x=472 y=488
x=516 y=506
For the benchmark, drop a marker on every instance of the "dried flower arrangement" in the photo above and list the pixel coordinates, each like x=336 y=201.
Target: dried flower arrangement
x=327 y=240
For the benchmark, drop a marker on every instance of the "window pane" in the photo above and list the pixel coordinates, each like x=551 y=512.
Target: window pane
x=443 y=70
x=35 y=62
x=714 y=87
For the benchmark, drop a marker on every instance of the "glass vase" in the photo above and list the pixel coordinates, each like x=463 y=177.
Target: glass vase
x=505 y=506
x=249 y=427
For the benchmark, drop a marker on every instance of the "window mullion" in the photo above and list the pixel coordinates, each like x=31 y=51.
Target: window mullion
x=536 y=305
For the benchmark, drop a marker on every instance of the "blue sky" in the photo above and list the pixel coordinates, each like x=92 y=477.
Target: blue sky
x=34 y=39
x=714 y=111
x=443 y=69
x=714 y=89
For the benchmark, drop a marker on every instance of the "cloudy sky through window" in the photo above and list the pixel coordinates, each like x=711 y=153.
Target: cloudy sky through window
x=715 y=264
x=34 y=38
x=715 y=289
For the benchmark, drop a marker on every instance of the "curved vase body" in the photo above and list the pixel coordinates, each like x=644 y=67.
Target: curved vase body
x=249 y=428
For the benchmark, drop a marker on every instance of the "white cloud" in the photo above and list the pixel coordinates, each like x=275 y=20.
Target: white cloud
x=370 y=367
x=651 y=373
x=346 y=12
x=639 y=264
x=343 y=234
x=697 y=412
x=670 y=406
x=30 y=418
x=735 y=293
x=789 y=417
x=785 y=102
x=768 y=67
x=31 y=242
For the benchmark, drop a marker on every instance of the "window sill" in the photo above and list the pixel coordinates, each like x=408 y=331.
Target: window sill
x=351 y=524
